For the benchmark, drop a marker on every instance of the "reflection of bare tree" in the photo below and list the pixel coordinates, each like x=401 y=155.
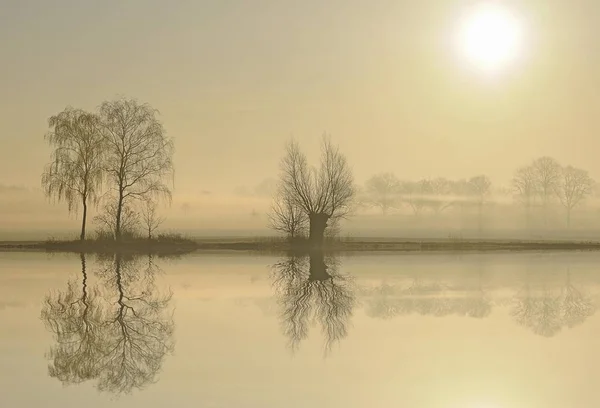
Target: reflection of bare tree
x=540 y=312
x=119 y=336
x=546 y=313
x=75 y=317
x=576 y=307
x=311 y=292
x=428 y=299
x=139 y=335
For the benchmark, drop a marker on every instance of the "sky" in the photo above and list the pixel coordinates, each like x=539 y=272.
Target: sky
x=234 y=80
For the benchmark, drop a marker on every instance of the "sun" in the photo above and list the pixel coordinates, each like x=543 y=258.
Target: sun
x=490 y=36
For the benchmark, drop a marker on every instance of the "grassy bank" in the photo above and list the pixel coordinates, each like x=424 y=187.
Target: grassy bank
x=167 y=245
x=176 y=244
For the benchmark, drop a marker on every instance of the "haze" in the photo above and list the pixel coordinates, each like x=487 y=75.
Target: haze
x=234 y=80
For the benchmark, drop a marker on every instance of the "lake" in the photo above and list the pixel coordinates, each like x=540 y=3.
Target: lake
x=428 y=330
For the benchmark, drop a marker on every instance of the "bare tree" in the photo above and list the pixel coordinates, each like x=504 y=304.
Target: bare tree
x=321 y=194
x=150 y=218
x=572 y=188
x=383 y=191
x=75 y=173
x=524 y=188
x=440 y=190
x=480 y=188
x=287 y=217
x=139 y=154
x=547 y=176
x=415 y=194
x=107 y=218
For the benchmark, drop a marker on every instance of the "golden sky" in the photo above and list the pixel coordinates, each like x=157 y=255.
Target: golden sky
x=234 y=79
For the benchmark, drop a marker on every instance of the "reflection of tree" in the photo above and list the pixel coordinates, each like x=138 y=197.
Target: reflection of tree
x=576 y=307
x=117 y=334
x=546 y=313
x=428 y=299
x=75 y=317
x=313 y=292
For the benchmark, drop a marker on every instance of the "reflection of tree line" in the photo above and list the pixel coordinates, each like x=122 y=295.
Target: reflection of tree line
x=546 y=313
x=428 y=299
x=311 y=290
x=543 y=312
x=116 y=333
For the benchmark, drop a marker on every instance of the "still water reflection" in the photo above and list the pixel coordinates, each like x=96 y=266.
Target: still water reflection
x=435 y=331
x=115 y=333
x=311 y=289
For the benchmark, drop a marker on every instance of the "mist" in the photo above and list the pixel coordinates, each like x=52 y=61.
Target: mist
x=380 y=78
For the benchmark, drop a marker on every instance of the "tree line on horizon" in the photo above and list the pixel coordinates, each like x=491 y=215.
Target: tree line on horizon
x=541 y=184
x=119 y=156
x=310 y=201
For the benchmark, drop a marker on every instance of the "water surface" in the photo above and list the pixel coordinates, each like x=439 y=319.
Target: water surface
x=218 y=330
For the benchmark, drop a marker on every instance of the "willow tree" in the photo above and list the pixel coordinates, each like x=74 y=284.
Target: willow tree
x=75 y=173
x=138 y=154
x=322 y=194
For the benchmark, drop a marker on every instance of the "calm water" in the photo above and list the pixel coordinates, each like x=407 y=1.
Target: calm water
x=439 y=331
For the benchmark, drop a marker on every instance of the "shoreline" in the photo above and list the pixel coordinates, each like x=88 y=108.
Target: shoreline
x=273 y=245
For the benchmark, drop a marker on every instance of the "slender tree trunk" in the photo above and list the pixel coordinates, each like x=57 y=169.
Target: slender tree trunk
x=480 y=219
x=568 y=218
x=318 y=223
x=84 y=274
x=118 y=220
x=83 y=220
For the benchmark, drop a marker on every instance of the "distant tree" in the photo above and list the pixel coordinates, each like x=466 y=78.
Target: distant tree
x=321 y=194
x=547 y=176
x=266 y=188
x=572 y=188
x=525 y=188
x=150 y=218
x=480 y=188
x=139 y=154
x=287 y=217
x=75 y=173
x=383 y=191
x=416 y=194
x=440 y=190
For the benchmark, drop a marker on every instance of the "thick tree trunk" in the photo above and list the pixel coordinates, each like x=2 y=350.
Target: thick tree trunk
x=318 y=268
x=318 y=223
x=83 y=221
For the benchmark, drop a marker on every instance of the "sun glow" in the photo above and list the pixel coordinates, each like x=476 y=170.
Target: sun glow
x=490 y=36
